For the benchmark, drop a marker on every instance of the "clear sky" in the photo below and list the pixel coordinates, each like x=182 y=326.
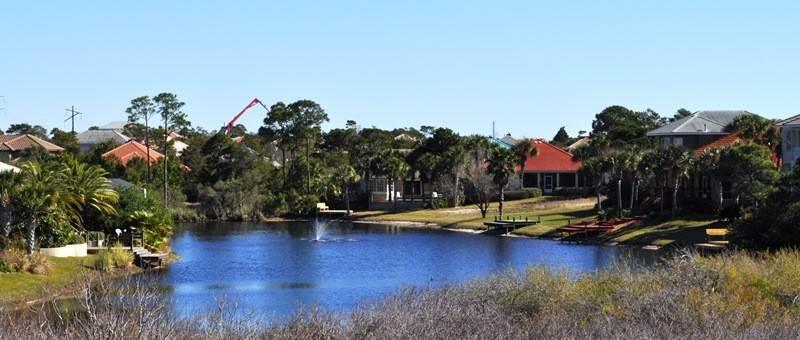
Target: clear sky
x=530 y=66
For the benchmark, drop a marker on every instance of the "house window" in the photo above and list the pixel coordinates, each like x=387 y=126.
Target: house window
x=677 y=140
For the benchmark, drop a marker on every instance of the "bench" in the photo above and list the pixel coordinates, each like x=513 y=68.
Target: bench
x=716 y=240
x=322 y=207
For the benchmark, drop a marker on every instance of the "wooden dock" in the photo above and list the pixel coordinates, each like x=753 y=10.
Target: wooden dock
x=504 y=226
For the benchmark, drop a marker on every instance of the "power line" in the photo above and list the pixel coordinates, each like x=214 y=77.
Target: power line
x=72 y=116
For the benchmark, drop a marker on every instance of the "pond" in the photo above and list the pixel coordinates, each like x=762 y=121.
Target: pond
x=274 y=268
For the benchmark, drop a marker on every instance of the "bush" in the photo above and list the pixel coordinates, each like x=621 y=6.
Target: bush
x=515 y=195
x=572 y=192
x=103 y=261
x=16 y=260
x=534 y=192
x=121 y=258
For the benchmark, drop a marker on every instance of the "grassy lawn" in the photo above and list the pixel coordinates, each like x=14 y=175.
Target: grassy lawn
x=685 y=230
x=19 y=287
x=469 y=217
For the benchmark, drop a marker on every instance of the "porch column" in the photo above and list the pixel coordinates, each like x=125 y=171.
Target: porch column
x=538 y=179
x=576 y=180
x=558 y=179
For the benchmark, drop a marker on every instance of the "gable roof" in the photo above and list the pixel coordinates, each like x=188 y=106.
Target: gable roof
x=721 y=143
x=551 y=159
x=130 y=150
x=100 y=136
x=791 y=121
x=25 y=142
x=700 y=123
x=115 y=125
x=583 y=141
x=509 y=140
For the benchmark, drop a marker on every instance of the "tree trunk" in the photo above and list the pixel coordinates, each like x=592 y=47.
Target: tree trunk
x=31 y=237
x=633 y=193
x=166 y=159
x=675 y=196
x=147 y=145
x=455 y=189
x=597 y=193
x=6 y=221
x=661 y=203
x=347 y=198
x=283 y=166
x=619 y=197
x=502 y=198
x=522 y=176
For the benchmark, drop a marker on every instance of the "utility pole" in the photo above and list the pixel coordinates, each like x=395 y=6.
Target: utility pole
x=493 y=136
x=72 y=115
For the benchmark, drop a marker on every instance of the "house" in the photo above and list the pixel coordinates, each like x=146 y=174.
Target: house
x=177 y=142
x=130 y=150
x=551 y=169
x=14 y=146
x=8 y=168
x=90 y=138
x=790 y=141
x=410 y=192
x=697 y=130
x=581 y=142
x=700 y=132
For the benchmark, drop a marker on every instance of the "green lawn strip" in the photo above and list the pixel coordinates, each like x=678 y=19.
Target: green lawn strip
x=470 y=218
x=661 y=232
x=19 y=287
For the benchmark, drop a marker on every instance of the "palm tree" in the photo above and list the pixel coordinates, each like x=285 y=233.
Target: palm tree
x=41 y=195
x=679 y=162
x=87 y=187
x=9 y=185
x=501 y=164
x=632 y=159
x=523 y=150
x=395 y=167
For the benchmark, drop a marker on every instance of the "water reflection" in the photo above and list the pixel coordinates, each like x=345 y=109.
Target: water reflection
x=275 y=267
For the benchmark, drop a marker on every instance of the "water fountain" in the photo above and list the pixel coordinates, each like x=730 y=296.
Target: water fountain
x=320 y=227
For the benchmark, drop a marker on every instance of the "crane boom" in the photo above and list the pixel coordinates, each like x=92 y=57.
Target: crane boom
x=235 y=118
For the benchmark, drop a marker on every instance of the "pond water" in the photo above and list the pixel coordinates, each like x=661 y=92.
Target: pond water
x=273 y=268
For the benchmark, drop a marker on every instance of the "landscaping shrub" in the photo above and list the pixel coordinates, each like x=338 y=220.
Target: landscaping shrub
x=572 y=192
x=515 y=195
x=534 y=192
x=121 y=258
x=103 y=261
x=17 y=260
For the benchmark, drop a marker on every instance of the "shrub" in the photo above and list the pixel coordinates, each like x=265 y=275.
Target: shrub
x=515 y=195
x=534 y=192
x=103 y=261
x=572 y=192
x=121 y=258
x=16 y=260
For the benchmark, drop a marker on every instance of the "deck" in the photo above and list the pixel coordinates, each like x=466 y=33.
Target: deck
x=504 y=226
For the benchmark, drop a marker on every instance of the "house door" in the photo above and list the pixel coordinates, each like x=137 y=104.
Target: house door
x=548 y=184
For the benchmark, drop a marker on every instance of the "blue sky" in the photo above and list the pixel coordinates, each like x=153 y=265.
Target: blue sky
x=530 y=66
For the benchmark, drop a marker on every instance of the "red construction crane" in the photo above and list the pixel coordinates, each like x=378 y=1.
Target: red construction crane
x=235 y=118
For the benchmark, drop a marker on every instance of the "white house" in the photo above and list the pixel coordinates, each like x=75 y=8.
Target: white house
x=790 y=139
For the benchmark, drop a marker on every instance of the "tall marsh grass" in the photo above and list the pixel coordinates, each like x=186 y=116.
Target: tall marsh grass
x=737 y=295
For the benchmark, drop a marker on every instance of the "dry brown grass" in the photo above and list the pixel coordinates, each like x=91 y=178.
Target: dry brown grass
x=735 y=295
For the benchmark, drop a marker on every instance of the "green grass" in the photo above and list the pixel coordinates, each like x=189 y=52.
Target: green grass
x=685 y=230
x=469 y=217
x=20 y=287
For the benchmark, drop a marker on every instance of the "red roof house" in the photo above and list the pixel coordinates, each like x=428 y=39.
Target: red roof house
x=552 y=168
x=130 y=150
x=13 y=146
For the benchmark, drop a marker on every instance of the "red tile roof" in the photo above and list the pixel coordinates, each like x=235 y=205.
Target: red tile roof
x=551 y=159
x=24 y=142
x=721 y=143
x=130 y=150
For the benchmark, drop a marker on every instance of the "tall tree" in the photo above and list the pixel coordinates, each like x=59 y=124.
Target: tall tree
x=169 y=107
x=41 y=195
x=750 y=168
x=523 y=150
x=65 y=139
x=443 y=155
x=561 y=138
x=481 y=183
x=680 y=114
x=757 y=129
x=501 y=165
x=394 y=167
x=27 y=129
x=141 y=110
x=9 y=189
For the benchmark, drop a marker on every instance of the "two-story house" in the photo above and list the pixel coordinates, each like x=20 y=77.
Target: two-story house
x=701 y=131
x=790 y=141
